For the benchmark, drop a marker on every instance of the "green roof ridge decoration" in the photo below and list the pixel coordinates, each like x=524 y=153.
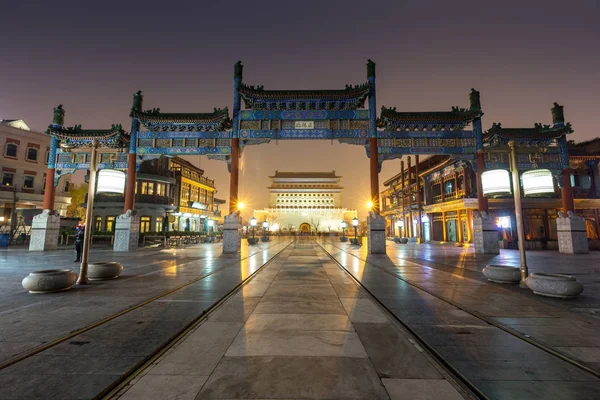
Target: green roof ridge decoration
x=392 y=119
x=351 y=97
x=76 y=136
x=218 y=120
x=539 y=135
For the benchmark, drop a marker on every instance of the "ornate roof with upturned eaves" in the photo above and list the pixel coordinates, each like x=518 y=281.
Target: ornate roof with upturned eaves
x=392 y=120
x=350 y=98
x=75 y=136
x=539 y=135
x=218 y=120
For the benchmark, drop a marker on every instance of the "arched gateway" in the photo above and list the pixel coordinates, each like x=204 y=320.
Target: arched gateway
x=299 y=115
x=304 y=229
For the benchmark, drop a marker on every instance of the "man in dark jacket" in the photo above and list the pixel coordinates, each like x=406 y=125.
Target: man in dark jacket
x=79 y=234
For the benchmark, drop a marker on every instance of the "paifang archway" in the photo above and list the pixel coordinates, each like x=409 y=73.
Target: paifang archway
x=348 y=115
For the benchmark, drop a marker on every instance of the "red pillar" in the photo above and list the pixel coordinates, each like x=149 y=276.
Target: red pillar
x=234 y=177
x=567 y=191
x=130 y=188
x=49 y=190
x=374 y=173
x=419 y=223
x=482 y=201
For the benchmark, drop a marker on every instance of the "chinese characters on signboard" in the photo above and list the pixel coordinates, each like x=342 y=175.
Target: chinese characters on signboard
x=304 y=125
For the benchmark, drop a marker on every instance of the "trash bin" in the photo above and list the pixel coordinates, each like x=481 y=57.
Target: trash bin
x=4 y=239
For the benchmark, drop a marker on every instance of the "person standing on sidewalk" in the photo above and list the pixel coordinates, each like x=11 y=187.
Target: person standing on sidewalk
x=79 y=242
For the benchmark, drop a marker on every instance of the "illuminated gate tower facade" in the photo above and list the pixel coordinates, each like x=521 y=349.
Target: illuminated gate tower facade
x=305 y=202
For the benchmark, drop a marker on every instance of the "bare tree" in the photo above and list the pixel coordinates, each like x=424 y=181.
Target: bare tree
x=315 y=224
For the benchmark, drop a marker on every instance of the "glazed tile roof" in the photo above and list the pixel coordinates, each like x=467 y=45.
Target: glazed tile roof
x=219 y=118
x=390 y=118
x=305 y=175
x=542 y=133
x=76 y=136
x=353 y=96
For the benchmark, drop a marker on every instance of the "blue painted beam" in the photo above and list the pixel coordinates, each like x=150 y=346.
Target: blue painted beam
x=184 y=135
x=275 y=115
x=426 y=150
x=283 y=134
x=86 y=166
x=184 y=150
x=448 y=134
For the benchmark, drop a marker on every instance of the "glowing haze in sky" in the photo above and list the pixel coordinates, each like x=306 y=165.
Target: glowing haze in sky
x=521 y=55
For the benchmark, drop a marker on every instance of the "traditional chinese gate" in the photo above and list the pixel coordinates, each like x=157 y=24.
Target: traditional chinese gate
x=301 y=115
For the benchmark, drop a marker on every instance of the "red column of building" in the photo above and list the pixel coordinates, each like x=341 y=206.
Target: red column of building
x=374 y=173
x=49 y=190
x=419 y=223
x=482 y=201
x=234 y=177
x=567 y=191
x=130 y=188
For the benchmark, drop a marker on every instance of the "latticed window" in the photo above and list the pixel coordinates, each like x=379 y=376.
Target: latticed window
x=147 y=187
x=144 y=224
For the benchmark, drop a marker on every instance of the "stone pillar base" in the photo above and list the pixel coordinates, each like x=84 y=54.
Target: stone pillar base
x=127 y=232
x=232 y=233
x=485 y=234
x=572 y=237
x=376 y=232
x=44 y=232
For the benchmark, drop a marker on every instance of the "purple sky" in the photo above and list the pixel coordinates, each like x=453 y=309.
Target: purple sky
x=522 y=55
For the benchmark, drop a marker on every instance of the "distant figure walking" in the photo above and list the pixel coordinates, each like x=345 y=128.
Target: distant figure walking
x=79 y=234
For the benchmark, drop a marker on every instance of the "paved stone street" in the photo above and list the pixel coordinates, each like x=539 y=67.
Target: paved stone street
x=447 y=295
x=174 y=287
x=301 y=329
x=426 y=324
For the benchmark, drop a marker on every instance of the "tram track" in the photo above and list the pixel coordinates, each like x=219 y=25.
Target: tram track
x=114 y=390
x=477 y=315
x=74 y=334
x=451 y=370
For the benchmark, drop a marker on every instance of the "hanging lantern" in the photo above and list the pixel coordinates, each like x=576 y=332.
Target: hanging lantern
x=537 y=182
x=496 y=182
x=111 y=181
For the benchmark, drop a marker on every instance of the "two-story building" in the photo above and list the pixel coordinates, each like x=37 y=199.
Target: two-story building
x=447 y=198
x=23 y=164
x=171 y=194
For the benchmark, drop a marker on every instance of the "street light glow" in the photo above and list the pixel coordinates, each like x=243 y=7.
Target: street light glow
x=240 y=205
x=370 y=204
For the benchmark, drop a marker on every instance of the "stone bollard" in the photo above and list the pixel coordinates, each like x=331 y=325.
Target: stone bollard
x=376 y=231
x=572 y=236
x=485 y=234
x=127 y=232
x=44 y=232
x=232 y=233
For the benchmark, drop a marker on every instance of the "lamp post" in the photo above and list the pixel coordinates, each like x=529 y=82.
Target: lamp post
x=343 y=238
x=355 y=225
x=514 y=167
x=82 y=279
x=400 y=225
x=253 y=225
x=264 y=237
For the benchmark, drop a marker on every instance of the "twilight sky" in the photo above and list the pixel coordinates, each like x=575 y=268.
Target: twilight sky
x=521 y=55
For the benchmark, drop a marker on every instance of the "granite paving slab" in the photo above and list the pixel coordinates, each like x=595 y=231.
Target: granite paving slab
x=293 y=377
